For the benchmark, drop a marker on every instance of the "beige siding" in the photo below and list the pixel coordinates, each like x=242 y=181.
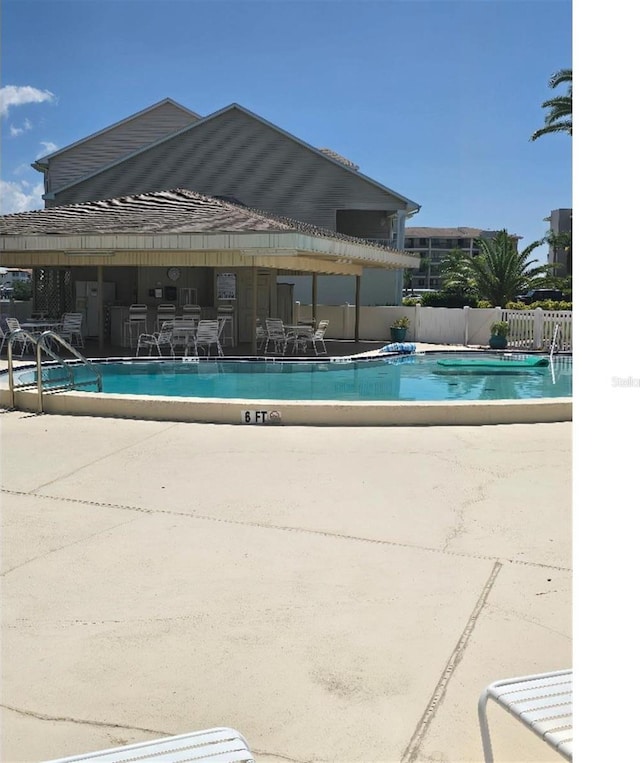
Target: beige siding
x=236 y=155
x=115 y=143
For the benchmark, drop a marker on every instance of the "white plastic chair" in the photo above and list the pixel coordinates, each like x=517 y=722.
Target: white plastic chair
x=184 y=331
x=13 y=324
x=191 y=311
x=207 y=334
x=164 y=312
x=277 y=336
x=136 y=324
x=542 y=702
x=318 y=337
x=157 y=340
x=71 y=329
x=261 y=334
x=219 y=745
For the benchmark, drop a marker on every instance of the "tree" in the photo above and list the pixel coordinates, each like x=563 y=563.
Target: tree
x=559 y=117
x=22 y=290
x=562 y=242
x=457 y=275
x=498 y=273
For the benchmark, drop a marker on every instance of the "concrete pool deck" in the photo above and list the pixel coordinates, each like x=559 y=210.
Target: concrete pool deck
x=336 y=594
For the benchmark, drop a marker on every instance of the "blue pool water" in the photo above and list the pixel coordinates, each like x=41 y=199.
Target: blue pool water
x=411 y=377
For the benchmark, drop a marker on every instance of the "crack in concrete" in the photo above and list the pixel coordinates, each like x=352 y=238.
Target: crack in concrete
x=66 y=545
x=125 y=727
x=411 y=751
x=281 y=528
x=102 y=458
x=82 y=721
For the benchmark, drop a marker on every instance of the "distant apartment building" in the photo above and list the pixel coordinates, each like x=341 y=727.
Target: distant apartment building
x=560 y=225
x=10 y=276
x=433 y=245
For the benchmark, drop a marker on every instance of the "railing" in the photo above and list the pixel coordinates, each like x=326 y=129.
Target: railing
x=41 y=343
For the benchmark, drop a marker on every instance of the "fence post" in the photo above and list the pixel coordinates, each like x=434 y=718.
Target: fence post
x=345 y=321
x=537 y=328
x=466 y=315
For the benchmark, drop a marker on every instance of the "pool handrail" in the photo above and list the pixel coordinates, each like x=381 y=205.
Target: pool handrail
x=41 y=343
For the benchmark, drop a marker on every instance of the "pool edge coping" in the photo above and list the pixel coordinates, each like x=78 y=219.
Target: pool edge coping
x=294 y=413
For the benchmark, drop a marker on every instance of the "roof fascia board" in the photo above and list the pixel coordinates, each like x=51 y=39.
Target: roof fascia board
x=411 y=206
x=268 y=243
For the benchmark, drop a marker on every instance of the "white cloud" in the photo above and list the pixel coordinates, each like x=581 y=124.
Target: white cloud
x=20 y=95
x=26 y=125
x=20 y=197
x=47 y=148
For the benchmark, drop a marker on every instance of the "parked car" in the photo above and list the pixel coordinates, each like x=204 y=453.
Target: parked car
x=540 y=295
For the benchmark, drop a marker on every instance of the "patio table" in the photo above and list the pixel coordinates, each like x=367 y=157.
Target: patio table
x=301 y=332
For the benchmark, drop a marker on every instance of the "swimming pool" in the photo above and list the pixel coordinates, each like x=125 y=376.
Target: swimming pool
x=416 y=377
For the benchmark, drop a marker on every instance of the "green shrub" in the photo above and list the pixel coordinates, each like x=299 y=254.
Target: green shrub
x=447 y=299
x=546 y=304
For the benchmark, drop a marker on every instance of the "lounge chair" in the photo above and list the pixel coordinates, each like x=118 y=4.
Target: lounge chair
x=542 y=702
x=219 y=745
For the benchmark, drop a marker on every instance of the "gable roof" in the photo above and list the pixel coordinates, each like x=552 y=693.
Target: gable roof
x=42 y=161
x=411 y=206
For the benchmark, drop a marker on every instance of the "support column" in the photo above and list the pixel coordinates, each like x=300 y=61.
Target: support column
x=100 y=311
x=254 y=310
x=314 y=297
x=356 y=332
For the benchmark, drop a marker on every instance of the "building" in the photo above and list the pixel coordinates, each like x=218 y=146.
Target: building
x=433 y=245
x=225 y=210
x=10 y=276
x=239 y=156
x=560 y=229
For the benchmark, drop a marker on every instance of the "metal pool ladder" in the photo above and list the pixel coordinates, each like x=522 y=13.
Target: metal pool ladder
x=42 y=344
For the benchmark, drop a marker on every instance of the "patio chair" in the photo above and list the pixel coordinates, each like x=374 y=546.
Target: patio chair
x=71 y=329
x=542 y=702
x=223 y=745
x=136 y=323
x=164 y=312
x=191 y=311
x=261 y=334
x=318 y=337
x=159 y=339
x=277 y=336
x=184 y=332
x=3 y=337
x=13 y=324
x=207 y=334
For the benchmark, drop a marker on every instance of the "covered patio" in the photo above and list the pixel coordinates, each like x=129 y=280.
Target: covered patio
x=180 y=247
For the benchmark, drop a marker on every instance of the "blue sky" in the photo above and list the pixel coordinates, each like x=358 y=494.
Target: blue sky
x=436 y=100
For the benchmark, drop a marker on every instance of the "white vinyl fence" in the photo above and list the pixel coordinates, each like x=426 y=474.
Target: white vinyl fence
x=529 y=329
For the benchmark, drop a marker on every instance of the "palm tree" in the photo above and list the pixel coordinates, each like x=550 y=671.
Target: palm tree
x=457 y=275
x=499 y=272
x=559 y=118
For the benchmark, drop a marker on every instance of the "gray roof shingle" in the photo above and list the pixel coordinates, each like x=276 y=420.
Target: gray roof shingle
x=160 y=212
